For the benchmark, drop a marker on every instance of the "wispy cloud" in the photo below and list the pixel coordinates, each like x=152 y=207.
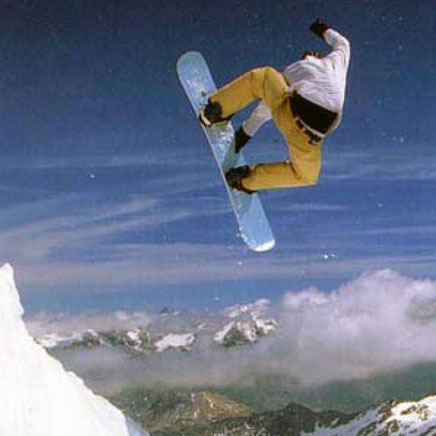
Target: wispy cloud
x=429 y=229
x=382 y=163
x=312 y=207
x=103 y=246
x=58 y=225
x=73 y=238
x=145 y=159
x=66 y=324
x=113 y=239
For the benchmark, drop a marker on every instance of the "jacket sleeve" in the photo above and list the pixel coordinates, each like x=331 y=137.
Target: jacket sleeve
x=257 y=119
x=340 y=56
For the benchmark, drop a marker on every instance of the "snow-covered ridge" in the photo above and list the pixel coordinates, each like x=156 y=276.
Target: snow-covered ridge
x=135 y=340
x=248 y=323
x=242 y=332
x=38 y=397
x=254 y=309
x=402 y=418
x=182 y=342
x=247 y=326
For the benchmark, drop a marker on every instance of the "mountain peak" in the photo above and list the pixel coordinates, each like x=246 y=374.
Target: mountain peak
x=38 y=397
x=10 y=305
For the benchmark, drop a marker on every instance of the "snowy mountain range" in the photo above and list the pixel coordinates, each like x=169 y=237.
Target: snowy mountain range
x=38 y=397
x=235 y=326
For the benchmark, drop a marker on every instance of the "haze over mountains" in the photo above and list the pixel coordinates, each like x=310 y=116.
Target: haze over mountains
x=380 y=322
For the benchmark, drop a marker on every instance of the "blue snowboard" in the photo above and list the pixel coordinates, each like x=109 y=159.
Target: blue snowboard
x=198 y=84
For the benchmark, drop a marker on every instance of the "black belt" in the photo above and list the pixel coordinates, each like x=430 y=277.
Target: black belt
x=313 y=138
x=308 y=114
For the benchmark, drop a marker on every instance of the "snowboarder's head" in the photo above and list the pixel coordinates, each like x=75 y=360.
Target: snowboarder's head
x=312 y=53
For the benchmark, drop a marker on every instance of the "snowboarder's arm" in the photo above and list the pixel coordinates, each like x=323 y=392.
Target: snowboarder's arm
x=257 y=119
x=341 y=46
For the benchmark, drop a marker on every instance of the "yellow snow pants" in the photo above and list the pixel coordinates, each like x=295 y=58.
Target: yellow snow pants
x=269 y=85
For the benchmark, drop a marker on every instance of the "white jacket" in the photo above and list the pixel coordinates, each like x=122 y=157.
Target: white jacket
x=321 y=81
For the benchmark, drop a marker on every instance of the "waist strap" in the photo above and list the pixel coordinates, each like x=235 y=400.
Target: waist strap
x=315 y=117
x=314 y=139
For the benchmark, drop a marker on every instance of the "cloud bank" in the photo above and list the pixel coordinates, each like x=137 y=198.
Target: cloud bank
x=382 y=321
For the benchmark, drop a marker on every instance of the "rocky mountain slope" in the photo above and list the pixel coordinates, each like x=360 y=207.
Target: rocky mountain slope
x=179 y=410
x=206 y=414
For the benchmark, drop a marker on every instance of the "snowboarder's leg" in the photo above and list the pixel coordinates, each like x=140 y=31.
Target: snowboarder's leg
x=261 y=83
x=281 y=175
x=270 y=86
x=304 y=168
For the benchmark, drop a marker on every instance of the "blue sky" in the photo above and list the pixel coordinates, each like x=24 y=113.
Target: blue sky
x=111 y=198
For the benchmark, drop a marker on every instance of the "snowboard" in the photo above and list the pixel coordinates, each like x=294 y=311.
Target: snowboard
x=198 y=84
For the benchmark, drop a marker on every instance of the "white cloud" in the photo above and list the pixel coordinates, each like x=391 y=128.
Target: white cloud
x=393 y=165
x=379 y=322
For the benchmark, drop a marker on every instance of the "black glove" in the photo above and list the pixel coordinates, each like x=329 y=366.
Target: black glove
x=318 y=27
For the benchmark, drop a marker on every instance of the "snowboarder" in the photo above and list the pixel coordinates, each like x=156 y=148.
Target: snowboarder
x=305 y=101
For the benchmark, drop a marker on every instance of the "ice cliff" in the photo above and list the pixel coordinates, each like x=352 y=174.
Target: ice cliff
x=38 y=397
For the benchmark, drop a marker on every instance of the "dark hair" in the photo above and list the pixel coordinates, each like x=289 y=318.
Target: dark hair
x=313 y=53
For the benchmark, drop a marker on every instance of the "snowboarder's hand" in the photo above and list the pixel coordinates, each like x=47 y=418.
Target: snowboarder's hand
x=318 y=27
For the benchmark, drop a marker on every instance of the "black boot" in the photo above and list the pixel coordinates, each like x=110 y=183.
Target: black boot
x=241 y=138
x=211 y=114
x=234 y=178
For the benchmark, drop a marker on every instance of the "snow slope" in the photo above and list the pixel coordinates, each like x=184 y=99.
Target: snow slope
x=177 y=341
x=38 y=397
x=399 y=418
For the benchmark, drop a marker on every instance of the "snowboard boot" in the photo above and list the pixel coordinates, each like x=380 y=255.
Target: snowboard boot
x=234 y=178
x=211 y=114
x=241 y=138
